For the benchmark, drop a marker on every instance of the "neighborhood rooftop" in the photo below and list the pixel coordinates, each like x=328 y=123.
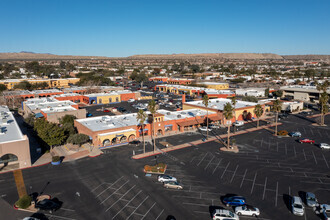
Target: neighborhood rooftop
x=220 y=103
x=9 y=130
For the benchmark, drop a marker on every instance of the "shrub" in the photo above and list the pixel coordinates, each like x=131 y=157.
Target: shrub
x=24 y=202
x=78 y=139
x=56 y=158
x=157 y=168
x=282 y=133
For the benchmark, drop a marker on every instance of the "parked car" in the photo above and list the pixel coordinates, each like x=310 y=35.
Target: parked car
x=307 y=141
x=223 y=214
x=106 y=110
x=204 y=128
x=325 y=210
x=48 y=205
x=297 y=206
x=131 y=100
x=247 y=210
x=311 y=200
x=164 y=178
x=234 y=201
x=295 y=134
x=238 y=123
x=89 y=114
x=214 y=126
x=324 y=146
x=173 y=185
x=283 y=116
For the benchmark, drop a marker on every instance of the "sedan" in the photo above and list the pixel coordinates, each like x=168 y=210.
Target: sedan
x=311 y=200
x=48 y=204
x=326 y=211
x=106 y=110
x=234 y=200
x=324 y=146
x=295 y=134
x=306 y=140
x=247 y=210
x=297 y=206
x=172 y=185
x=238 y=123
x=204 y=128
x=164 y=178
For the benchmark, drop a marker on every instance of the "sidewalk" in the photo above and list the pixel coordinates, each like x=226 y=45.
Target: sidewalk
x=177 y=147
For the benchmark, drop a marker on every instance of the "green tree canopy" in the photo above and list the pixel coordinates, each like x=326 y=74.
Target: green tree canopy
x=78 y=139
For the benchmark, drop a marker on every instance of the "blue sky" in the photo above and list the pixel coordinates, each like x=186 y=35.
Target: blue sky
x=128 y=27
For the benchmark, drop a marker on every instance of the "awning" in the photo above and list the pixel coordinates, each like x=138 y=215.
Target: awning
x=168 y=126
x=39 y=115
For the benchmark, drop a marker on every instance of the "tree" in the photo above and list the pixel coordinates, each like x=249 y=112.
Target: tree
x=24 y=85
x=206 y=104
x=153 y=107
x=267 y=92
x=33 y=67
x=141 y=117
x=2 y=88
x=310 y=73
x=228 y=114
x=62 y=65
x=68 y=119
x=78 y=139
x=140 y=78
x=258 y=111
x=195 y=68
x=278 y=93
x=323 y=100
x=250 y=99
x=277 y=107
x=50 y=133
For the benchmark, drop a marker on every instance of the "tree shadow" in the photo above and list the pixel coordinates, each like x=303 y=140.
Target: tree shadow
x=213 y=208
x=39 y=215
x=305 y=118
x=287 y=201
x=302 y=195
x=170 y=217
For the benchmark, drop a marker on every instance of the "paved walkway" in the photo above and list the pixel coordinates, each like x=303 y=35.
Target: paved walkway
x=21 y=190
x=177 y=147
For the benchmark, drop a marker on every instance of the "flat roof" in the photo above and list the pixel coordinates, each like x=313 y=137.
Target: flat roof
x=9 y=127
x=57 y=109
x=297 y=88
x=173 y=115
x=46 y=91
x=212 y=83
x=66 y=95
x=220 y=103
x=46 y=102
x=101 y=94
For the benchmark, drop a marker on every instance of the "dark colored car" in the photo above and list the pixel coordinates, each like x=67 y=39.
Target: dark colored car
x=48 y=205
x=89 y=115
x=234 y=201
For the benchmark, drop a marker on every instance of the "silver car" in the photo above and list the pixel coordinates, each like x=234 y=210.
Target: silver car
x=326 y=211
x=324 y=146
x=173 y=185
x=311 y=200
x=297 y=206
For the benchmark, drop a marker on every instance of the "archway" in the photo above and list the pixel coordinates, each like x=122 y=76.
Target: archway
x=245 y=114
x=159 y=132
x=131 y=138
x=106 y=142
x=100 y=101
x=93 y=102
x=249 y=116
x=6 y=159
x=114 y=141
x=123 y=139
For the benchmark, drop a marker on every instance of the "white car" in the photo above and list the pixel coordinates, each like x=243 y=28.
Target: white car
x=297 y=206
x=131 y=100
x=204 y=128
x=325 y=210
x=172 y=185
x=223 y=214
x=324 y=146
x=238 y=123
x=247 y=210
x=214 y=126
x=164 y=178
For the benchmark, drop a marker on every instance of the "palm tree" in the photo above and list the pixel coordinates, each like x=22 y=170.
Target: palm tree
x=206 y=104
x=228 y=114
x=323 y=100
x=141 y=117
x=233 y=103
x=153 y=107
x=276 y=108
x=258 y=110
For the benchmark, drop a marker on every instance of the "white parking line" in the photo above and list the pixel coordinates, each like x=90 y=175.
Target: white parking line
x=197 y=204
x=263 y=196
x=148 y=211
x=60 y=217
x=120 y=198
x=289 y=191
x=70 y=210
x=126 y=204
x=276 y=194
x=225 y=170
x=304 y=154
x=326 y=162
x=277 y=146
x=254 y=180
x=217 y=166
x=137 y=208
x=243 y=178
x=209 y=163
x=286 y=150
x=314 y=157
x=109 y=187
x=294 y=150
x=160 y=214
x=114 y=192
x=202 y=158
x=232 y=178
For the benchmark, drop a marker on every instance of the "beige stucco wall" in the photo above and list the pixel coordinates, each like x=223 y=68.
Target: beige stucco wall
x=54 y=117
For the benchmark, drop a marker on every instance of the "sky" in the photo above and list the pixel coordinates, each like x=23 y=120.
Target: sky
x=129 y=27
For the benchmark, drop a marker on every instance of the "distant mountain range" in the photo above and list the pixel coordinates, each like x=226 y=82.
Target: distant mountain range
x=24 y=55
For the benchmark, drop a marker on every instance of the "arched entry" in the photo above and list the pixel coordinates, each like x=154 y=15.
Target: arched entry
x=8 y=158
x=115 y=141
x=245 y=113
x=249 y=116
x=93 y=102
x=123 y=139
x=159 y=132
x=106 y=142
x=131 y=138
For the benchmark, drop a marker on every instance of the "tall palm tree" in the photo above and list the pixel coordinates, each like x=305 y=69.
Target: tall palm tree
x=258 y=111
x=228 y=114
x=206 y=104
x=141 y=117
x=233 y=103
x=153 y=107
x=323 y=100
x=276 y=108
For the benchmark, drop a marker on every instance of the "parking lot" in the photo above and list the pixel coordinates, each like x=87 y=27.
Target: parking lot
x=266 y=171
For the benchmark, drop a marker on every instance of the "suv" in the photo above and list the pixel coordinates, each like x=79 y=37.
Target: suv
x=234 y=200
x=223 y=214
x=311 y=200
x=295 y=134
x=297 y=206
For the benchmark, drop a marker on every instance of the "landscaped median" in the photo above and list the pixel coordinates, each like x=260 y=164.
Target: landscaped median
x=152 y=153
x=159 y=168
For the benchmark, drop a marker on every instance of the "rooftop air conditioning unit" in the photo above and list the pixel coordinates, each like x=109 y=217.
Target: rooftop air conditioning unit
x=179 y=116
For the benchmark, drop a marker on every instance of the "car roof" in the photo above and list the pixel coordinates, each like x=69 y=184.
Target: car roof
x=297 y=200
x=219 y=211
x=310 y=194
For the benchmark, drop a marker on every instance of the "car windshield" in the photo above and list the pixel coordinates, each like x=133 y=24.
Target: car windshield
x=298 y=206
x=311 y=198
x=231 y=214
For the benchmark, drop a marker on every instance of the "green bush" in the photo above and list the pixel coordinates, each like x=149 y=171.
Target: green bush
x=282 y=133
x=78 y=139
x=24 y=202
x=56 y=158
x=157 y=168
